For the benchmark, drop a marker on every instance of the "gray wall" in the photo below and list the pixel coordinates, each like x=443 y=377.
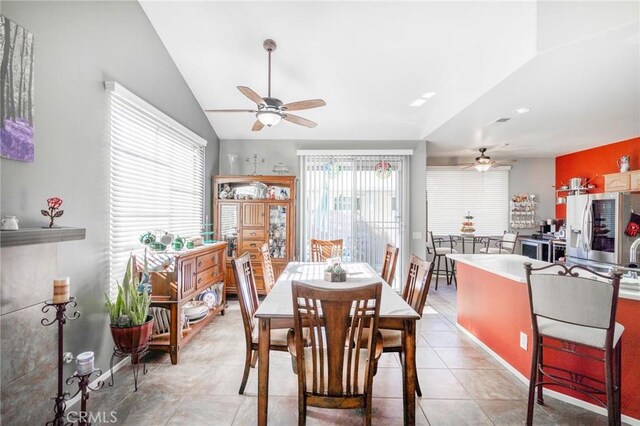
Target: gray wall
x=285 y=152
x=78 y=45
x=528 y=175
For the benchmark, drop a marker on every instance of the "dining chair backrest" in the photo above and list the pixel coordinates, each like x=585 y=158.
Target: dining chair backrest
x=321 y=250
x=555 y=292
x=509 y=241
x=247 y=292
x=416 y=286
x=336 y=317
x=389 y=264
x=267 y=268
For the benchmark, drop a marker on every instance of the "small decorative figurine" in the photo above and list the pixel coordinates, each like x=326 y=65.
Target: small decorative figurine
x=54 y=204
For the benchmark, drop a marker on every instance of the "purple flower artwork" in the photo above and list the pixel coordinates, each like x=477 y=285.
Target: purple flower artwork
x=16 y=92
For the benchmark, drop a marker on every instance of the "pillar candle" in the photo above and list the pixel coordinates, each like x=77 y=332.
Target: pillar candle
x=61 y=290
x=84 y=363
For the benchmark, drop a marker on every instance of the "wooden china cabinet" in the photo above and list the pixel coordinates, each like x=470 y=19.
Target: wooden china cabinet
x=249 y=211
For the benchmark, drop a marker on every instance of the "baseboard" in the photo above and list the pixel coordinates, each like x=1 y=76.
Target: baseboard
x=554 y=394
x=106 y=375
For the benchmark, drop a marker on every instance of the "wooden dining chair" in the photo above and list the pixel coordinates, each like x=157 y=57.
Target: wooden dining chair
x=267 y=268
x=389 y=266
x=321 y=250
x=416 y=288
x=332 y=372
x=248 y=298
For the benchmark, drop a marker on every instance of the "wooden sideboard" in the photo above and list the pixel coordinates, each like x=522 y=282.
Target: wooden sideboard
x=188 y=274
x=247 y=220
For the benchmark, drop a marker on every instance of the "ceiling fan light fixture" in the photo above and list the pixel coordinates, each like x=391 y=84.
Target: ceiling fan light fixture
x=483 y=167
x=268 y=118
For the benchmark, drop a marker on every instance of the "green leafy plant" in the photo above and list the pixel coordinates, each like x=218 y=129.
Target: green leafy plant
x=131 y=305
x=336 y=269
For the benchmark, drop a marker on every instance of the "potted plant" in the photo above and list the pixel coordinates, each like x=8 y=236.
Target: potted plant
x=131 y=324
x=335 y=274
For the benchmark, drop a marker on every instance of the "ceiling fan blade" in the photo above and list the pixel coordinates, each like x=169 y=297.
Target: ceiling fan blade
x=299 y=120
x=468 y=167
x=257 y=126
x=308 y=104
x=251 y=95
x=230 y=110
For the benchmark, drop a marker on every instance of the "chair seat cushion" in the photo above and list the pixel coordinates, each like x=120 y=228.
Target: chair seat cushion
x=494 y=250
x=393 y=338
x=278 y=335
x=589 y=336
x=361 y=371
x=445 y=250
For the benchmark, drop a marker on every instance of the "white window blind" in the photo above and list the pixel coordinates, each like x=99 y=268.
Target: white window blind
x=156 y=176
x=344 y=198
x=453 y=193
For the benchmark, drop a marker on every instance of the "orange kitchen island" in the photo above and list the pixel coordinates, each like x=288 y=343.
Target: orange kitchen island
x=493 y=309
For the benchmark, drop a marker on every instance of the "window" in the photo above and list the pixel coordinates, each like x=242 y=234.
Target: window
x=451 y=193
x=156 y=176
x=345 y=197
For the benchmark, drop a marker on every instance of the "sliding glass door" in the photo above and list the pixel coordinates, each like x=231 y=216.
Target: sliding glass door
x=356 y=198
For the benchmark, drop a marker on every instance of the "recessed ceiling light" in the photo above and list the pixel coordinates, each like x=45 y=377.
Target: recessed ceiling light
x=522 y=110
x=417 y=102
x=428 y=95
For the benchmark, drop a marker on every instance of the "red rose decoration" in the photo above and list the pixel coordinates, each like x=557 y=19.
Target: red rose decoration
x=54 y=202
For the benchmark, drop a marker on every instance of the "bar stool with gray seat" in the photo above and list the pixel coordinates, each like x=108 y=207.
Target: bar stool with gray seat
x=580 y=312
x=439 y=251
x=504 y=245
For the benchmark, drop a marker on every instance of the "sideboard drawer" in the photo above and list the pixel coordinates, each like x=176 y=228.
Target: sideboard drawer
x=209 y=260
x=208 y=278
x=253 y=234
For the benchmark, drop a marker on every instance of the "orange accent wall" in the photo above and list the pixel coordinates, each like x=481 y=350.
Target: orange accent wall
x=496 y=309
x=594 y=163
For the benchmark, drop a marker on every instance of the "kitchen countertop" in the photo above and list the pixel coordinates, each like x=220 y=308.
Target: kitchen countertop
x=511 y=267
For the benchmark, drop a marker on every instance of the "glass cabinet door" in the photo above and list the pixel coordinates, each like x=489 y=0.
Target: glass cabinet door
x=229 y=227
x=278 y=217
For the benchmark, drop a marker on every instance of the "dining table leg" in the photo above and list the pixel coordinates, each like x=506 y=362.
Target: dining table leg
x=409 y=372
x=264 y=341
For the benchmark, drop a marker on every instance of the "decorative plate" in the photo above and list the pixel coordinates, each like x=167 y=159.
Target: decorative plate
x=209 y=297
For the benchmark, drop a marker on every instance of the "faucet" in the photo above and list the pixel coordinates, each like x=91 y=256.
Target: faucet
x=633 y=255
x=633 y=251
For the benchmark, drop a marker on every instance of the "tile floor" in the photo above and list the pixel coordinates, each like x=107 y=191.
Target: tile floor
x=461 y=383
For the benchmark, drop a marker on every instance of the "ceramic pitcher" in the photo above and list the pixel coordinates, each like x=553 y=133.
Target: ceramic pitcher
x=10 y=223
x=623 y=163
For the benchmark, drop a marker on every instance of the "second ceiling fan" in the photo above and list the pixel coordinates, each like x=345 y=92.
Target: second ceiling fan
x=271 y=110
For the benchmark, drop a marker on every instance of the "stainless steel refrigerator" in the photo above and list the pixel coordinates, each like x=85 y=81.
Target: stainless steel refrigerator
x=596 y=225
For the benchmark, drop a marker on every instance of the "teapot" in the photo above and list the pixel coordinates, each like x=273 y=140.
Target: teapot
x=623 y=163
x=10 y=223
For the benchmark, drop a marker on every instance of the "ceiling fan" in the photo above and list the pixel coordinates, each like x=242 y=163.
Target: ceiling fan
x=271 y=110
x=483 y=162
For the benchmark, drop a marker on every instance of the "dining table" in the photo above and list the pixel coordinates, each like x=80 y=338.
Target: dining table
x=276 y=311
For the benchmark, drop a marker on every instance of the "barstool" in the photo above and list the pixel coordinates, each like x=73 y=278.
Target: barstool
x=439 y=252
x=578 y=312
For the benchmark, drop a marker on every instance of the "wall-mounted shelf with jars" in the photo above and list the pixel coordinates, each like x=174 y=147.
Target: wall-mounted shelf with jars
x=523 y=211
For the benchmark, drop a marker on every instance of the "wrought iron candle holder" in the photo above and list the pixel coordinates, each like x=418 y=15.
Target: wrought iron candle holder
x=61 y=319
x=84 y=386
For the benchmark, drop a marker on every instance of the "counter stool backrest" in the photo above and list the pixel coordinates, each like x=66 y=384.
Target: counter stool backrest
x=509 y=241
x=563 y=296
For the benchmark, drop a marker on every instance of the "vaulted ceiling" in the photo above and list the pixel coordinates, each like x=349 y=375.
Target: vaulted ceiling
x=576 y=65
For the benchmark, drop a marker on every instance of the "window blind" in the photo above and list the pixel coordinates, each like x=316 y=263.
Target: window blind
x=343 y=197
x=453 y=193
x=156 y=177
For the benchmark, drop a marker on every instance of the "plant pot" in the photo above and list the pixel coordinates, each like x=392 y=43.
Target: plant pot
x=333 y=277
x=133 y=340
